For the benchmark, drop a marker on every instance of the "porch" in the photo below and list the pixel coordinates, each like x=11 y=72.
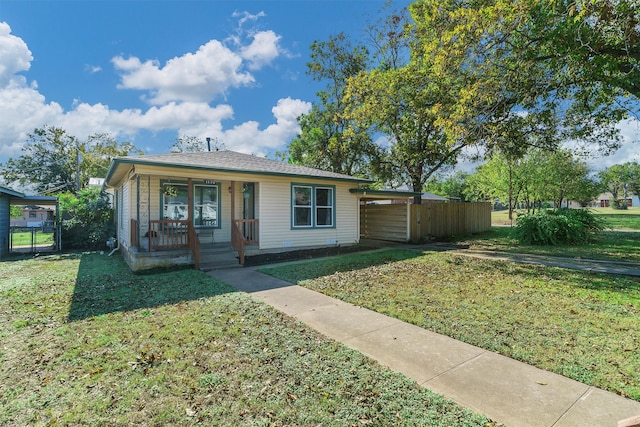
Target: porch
x=178 y=242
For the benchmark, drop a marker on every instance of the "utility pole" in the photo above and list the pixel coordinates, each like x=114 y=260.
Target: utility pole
x=77 y=169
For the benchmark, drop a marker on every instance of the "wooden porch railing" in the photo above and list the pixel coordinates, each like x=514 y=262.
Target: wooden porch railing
x=168 y=234
x=243 y=231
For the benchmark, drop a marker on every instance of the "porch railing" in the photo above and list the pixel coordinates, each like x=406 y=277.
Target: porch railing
x=168 y=234
x=243 y=231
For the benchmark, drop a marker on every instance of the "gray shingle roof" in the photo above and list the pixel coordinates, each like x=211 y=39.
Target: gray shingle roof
x=230 y=161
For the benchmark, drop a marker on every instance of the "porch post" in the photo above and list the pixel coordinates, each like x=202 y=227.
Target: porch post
x=138 y=213
x=189 y=200
x=233 y=204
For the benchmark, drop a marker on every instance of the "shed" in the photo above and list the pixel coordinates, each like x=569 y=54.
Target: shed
x=8 y=198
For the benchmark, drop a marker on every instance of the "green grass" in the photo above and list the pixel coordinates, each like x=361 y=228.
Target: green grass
x=23 y=238
x=608 y=246
x=584 y=326
x=625 y=219
x=628 y=219
x=86 y=342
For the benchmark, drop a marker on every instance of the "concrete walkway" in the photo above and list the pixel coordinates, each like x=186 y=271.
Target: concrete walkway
x=505 y=390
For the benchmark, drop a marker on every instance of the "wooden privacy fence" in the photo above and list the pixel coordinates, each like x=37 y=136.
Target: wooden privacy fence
x=448 y=219
x=416 y=223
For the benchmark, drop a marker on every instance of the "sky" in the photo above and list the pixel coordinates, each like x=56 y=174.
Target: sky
x=150 y=71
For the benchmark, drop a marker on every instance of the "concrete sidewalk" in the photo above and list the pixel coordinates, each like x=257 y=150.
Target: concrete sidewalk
x=505 y=390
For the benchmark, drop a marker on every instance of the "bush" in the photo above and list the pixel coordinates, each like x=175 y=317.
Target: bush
x=88 y=219
x=619 y=204
x=558 y=227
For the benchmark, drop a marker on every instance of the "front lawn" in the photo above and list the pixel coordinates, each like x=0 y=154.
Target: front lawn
x=584 y=326
x=628 y=219
x=86 y=342
x=608 y=246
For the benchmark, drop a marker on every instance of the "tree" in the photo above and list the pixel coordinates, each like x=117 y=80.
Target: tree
x=399 y=99
x=15 y=211
x=561 y=176
x=634 y=178
x=328 y=139
x=455 y=186
x=89 y=222
x=537 y=177
x=567 y=68
x=55 y=161
x=621 y=181
x=500 y=178
x=193 y=144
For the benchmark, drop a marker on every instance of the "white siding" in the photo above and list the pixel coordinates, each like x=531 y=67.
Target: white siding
x=275 y=217
x=124 y=217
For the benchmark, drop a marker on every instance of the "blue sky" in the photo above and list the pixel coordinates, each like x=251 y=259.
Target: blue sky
x=149 y=71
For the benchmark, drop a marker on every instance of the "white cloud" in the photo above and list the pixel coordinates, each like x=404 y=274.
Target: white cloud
x=22 y=109
x=248 y=138
x=193 y=77
x=16 y=56
x=244 y=17
x=628 y=152
x=262 y=51
x=206 y=74
x=92 y=69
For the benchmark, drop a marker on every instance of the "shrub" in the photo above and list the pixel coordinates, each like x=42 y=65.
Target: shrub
x=558 y=227
x=619 y=204
x=88 y=219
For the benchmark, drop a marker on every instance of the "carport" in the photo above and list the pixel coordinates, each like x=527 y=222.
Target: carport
x=8 y=198
x=385 y=214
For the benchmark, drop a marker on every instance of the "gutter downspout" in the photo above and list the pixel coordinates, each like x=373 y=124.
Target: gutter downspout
x=117 y=248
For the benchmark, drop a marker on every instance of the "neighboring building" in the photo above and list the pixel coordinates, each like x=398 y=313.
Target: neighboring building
x=605 y=200
x=34 y=216
x=426 y=197
x=163 y=202
x=433 y=198
x=8 y=198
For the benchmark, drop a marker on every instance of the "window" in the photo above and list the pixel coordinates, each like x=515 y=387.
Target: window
x=32 y=214
x=313 y=206
x=301 y=206
x=205 y=205
x=324 y=207
x=174 y=201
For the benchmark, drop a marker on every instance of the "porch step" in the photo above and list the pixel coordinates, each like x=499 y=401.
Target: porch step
x=216 y=256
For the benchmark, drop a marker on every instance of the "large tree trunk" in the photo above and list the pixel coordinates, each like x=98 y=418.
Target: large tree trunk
x=417 y=188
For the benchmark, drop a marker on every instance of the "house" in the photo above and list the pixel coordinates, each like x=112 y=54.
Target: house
x=34 y=216
x=177 y=208
x=425 y=197
x=605 y=200
x=8 y=198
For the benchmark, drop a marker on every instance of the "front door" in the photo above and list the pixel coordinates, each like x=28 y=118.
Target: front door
x=249 y=210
